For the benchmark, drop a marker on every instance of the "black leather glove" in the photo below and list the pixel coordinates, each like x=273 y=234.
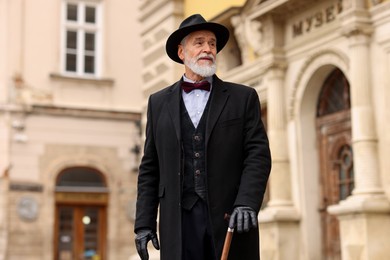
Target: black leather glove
x=243 y=219
x=141 y=242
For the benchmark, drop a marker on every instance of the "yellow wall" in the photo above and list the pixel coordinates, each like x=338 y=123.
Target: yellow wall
x=209 y=8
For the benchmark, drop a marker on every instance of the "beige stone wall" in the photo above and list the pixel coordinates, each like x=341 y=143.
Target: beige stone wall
x=25 y=238
x=381 y=82
x=302 y=62
x=158 y=18
x=3 y=52
x=34 y=43
x=3 y=217
x=54 y=144
x=50 y=120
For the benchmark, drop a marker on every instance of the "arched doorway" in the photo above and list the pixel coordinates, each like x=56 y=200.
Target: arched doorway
x=335 y=151
x=80 y=216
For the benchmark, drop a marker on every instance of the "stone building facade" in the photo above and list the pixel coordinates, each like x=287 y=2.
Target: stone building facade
x=321 y=69
x=74 y=81
x=70 y=131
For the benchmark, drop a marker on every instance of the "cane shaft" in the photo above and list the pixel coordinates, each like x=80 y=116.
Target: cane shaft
x=226 y=245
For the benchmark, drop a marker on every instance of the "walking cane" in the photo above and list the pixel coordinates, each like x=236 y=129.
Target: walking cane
x=226 y=245
x=228 y=240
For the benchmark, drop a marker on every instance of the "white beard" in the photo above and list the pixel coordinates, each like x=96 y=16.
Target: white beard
x=202 y=70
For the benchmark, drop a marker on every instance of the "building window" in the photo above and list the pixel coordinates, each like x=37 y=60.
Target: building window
x=80 y=177
x=344 y=164
x=334 y=96
x=81 y=38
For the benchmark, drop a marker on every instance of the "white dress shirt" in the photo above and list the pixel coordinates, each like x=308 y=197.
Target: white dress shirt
x=195 y=101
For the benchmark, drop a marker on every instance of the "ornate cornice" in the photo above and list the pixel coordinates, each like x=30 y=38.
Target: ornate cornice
x=85 y=113
x=356 y=22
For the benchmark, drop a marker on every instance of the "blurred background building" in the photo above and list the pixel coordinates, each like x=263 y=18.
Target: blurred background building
x=70 y=111
x=74 y=80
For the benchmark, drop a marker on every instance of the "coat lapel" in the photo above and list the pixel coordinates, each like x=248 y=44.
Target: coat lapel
x=174 y=107
x=219 y=97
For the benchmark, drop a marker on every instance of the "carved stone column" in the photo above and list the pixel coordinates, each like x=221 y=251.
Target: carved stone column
x=280 y=190
x=365 y=215
x=279 y=220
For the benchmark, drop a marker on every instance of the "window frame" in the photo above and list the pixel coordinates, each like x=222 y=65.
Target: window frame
x=81 y=27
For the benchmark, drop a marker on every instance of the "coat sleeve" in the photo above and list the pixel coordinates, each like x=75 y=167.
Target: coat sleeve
x=257 y=157
x=148 y=180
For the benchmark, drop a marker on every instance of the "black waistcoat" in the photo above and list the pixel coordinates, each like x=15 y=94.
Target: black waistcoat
x=193 y=139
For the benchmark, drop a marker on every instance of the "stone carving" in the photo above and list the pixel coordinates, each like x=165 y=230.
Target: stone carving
x=28 y=208
x=254 y=34
x=26 y=95
x=248 y=34
x=239 y=31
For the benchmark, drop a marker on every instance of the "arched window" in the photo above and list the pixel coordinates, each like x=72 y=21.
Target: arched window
x=80 y=177
x=344 y=164
x=334 y=96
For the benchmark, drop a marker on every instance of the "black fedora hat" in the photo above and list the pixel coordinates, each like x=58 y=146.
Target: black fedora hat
x=191 y=24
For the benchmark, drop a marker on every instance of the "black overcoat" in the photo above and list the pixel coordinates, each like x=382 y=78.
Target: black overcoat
x=238 y=164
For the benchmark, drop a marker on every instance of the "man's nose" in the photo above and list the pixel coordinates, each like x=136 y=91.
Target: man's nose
x=207 y=48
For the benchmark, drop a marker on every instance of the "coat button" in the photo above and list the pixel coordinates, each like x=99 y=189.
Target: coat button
x=197 y=155
x=197 y=172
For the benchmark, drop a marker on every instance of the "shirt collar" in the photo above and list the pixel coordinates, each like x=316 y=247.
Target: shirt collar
x=209 y=79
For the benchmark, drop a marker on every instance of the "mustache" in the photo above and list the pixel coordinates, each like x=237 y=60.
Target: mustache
x=205 y=55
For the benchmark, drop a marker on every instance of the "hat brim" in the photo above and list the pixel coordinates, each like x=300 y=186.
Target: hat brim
x=173 y=41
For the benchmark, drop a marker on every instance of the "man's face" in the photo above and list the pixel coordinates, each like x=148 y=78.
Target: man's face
x=198 y=52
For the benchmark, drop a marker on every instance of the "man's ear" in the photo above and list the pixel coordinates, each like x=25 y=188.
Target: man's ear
x=180 y=52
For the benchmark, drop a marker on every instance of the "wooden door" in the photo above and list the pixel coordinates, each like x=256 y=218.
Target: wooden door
x=80 y=217
x=80 y=232
x=335 y=153
x=336 y=179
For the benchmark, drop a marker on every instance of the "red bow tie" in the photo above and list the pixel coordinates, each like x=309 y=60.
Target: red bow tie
x=188 y=87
